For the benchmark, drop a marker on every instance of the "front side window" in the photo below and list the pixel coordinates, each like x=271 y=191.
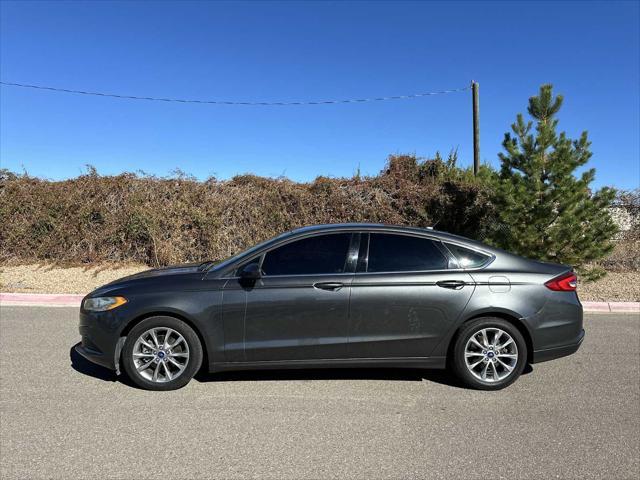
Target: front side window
x=466 y=257
x=322 y=254
x=403 y=253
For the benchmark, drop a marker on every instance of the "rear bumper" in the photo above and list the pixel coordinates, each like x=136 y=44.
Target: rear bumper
x=557 y=352
x=557 y=328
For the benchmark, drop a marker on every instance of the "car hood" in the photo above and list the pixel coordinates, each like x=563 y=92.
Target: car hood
x=159 y=272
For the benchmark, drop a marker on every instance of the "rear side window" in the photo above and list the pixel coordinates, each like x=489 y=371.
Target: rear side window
x=403 y=253
x=313 y=255
x=468 y=258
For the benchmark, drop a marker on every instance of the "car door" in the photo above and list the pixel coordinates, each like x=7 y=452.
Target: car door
x=404 y=298
x=299 y=307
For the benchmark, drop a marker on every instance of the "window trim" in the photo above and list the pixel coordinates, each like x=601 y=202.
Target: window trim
x=362 y=263
x=226 y=274
x=353 y=253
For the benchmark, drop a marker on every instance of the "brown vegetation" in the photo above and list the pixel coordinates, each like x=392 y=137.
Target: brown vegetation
x=159 y=221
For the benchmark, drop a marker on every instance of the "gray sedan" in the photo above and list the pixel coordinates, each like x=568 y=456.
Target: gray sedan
x=344 y=295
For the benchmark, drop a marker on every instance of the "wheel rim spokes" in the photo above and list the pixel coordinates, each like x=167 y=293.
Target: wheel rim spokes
x=160 y=354
x=491 y=354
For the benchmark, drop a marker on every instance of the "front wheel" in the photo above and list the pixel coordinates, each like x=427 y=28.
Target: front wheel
x=489 y=354
x=161 y=353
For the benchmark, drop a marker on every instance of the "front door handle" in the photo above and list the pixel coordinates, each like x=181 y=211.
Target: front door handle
x=452 y=284
x=333 y=286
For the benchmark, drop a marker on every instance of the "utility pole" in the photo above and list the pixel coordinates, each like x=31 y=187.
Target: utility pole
x=476 y=126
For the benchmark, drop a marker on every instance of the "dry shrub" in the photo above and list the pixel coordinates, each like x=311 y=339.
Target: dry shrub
x=161 y=221
x=626 y=253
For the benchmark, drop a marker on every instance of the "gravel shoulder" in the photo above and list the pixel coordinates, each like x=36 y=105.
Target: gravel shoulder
x=40 y=278
x=614 y=287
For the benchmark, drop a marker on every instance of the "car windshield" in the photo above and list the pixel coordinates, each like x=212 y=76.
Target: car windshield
x=229 y=260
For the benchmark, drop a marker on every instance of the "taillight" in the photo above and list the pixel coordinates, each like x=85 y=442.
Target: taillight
x=566 y=282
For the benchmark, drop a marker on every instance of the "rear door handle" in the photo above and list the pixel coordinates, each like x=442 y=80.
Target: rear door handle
x=333 y=286
x=453 y=284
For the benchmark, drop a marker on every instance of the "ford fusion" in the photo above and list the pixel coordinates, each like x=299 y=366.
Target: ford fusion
x=349 y=295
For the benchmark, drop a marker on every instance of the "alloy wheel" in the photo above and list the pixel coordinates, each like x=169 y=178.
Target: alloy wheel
x=160 y=355
x=491 y=355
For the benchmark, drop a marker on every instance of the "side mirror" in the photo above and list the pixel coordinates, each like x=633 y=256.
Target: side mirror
x=251 y=272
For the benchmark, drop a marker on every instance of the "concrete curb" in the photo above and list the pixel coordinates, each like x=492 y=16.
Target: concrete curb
x=69 y=300
x=611 y=307
x=40 y=300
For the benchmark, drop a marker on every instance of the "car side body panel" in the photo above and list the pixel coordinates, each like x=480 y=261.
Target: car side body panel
x=290 y=318
x=404 y=314
x=184 y=296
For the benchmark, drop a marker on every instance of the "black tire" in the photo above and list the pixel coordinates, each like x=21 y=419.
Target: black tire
x=193 y=363
x=458 y=352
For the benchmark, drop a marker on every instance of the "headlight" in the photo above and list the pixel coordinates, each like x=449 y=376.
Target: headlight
x=101 y=304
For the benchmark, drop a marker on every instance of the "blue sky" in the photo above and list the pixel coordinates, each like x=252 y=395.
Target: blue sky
x=306 y=51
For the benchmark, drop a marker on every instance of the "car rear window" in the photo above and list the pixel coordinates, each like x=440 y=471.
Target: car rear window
x=403 y=253
x=466 y=257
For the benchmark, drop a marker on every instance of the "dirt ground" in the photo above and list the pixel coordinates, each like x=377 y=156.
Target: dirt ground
x=37 y=278
x=614 y=287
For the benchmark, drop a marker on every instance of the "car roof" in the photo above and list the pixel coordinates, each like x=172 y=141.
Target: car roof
x=385 y=227
x=355 y=226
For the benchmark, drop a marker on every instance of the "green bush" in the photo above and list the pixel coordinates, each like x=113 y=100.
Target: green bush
x=545 y=210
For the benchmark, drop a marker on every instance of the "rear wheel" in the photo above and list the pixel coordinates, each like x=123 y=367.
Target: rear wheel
x=161 y=353
x=489 y=354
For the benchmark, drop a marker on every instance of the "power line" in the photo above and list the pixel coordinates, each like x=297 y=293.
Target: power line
x=221 y=102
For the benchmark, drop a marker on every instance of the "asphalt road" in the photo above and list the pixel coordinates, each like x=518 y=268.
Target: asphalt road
x=577 y=417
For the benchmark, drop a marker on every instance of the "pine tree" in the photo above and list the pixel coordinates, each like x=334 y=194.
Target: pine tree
x=546 y=211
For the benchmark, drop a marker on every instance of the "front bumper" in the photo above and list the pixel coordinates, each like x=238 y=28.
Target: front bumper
x=100 y=337
x=95 y=356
